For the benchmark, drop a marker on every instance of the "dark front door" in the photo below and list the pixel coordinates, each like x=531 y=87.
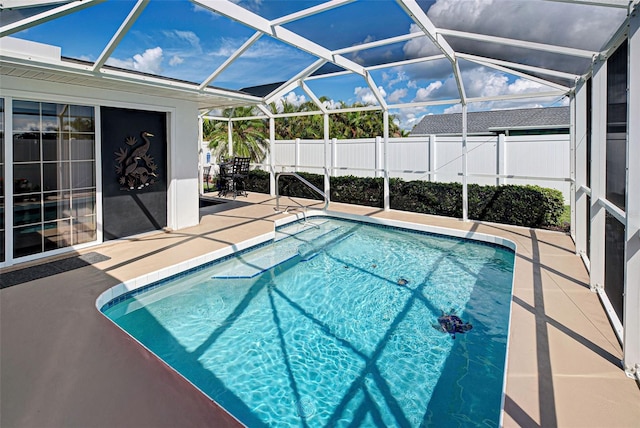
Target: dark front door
x=134 y=171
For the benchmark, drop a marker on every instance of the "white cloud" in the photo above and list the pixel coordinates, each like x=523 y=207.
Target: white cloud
x=504 y=105
x=397 y=95
x=294 y=99
x=426 y=70
x=198 y=8
x=511 y=104
x=407 y=118
x=226 y=47
x=266 y=49
x=554 y=23
x=368 y=39
x=484 y=82
x=331 y=104
x=181 y=45
x=262 y=51
x=400 y=76
x=365 y=95
x=523 y=86
x=188 y=36
x=175 y=60
x=478 y=82
x=150 y=61
x=424 y=94
x=252 y=5
x=564 y=24
x=420 y=46
x=291 y=98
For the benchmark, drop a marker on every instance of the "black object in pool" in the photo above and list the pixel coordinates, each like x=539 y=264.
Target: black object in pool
x=452 y=324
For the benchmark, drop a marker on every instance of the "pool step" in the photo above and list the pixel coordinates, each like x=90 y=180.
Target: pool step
x=255 y=262
x=298 y=228
x=311 y=249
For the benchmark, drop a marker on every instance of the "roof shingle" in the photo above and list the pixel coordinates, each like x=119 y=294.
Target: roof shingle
x=488 y=122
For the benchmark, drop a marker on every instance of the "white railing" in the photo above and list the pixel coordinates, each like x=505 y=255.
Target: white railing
x=306 y=183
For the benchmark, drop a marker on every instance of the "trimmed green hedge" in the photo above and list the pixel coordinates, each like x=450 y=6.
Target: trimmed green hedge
x=529 y=206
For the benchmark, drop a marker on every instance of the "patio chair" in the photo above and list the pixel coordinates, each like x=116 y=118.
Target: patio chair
x=225 y=178
x=238 y=172
x=206 y=176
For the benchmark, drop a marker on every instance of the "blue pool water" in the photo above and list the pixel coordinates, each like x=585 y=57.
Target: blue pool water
x=332 y=324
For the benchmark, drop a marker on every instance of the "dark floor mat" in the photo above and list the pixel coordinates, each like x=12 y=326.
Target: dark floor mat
x=44 y=270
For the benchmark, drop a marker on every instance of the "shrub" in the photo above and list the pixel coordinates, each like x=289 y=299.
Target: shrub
x=427 y=197
x=358 y=190
x=529 y=206
x=258 y=181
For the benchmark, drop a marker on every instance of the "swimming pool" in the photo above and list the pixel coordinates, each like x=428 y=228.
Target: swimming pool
x=335 y=323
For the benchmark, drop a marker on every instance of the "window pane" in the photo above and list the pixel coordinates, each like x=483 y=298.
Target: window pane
x=57 y=235
x=614 y=264
x=56 y=176
x=57 y=205
x=83 y=175
x=26 y=147
x=81 y=119
x=84 y=203
x=27 y=211
x=55 y=147
x=26 y=178
x=617 y=126
x=616 y=168
x=27 y=240
x=82 y=147
x=26 y=116
x=84 y=229
x=52 y=116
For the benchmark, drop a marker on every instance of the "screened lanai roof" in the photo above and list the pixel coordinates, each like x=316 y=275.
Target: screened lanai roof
x=410 y=56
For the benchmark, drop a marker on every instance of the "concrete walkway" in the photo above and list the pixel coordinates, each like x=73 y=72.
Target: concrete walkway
x=62 y=364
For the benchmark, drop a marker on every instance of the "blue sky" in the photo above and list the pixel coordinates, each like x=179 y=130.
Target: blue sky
x=175 y=38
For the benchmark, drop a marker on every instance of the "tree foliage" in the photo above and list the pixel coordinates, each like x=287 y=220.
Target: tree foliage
x=250 y=137
x=346 y=125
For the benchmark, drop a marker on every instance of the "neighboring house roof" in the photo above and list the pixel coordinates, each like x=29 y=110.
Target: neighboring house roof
x=491 y=122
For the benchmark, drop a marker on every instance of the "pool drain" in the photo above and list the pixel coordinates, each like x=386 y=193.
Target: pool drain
x=305 y=407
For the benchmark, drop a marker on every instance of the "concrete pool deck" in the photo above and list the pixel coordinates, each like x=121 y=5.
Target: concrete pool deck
x=62 y=364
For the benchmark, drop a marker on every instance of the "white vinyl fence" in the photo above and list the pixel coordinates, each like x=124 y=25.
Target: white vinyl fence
x=542 y=160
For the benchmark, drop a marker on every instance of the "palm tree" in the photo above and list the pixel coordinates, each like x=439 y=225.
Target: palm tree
x=249 y=137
